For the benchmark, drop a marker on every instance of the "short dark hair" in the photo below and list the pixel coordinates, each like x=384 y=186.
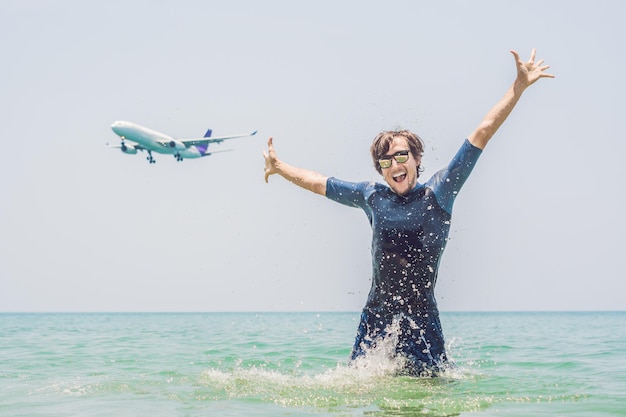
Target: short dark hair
x=382 y=143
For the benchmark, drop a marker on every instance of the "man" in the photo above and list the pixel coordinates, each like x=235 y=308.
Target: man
x=410 y=224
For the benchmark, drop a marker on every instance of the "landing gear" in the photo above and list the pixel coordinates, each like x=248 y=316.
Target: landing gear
x=178 y=157
x=150 y=158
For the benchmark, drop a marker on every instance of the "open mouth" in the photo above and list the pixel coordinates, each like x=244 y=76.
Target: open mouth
x=399 y=177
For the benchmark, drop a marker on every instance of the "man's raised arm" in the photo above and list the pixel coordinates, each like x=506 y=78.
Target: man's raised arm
x=304 y=178
x=527 y=73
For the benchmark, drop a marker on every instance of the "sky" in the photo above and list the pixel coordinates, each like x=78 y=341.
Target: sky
x=539 y=225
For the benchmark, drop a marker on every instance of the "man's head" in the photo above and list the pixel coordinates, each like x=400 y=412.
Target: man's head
x=399 y=168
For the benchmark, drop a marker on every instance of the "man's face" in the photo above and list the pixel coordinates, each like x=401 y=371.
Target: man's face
x=401 y=177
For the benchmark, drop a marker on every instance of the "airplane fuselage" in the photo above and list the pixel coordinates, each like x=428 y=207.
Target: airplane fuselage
x=139 y=134
x=153 y=140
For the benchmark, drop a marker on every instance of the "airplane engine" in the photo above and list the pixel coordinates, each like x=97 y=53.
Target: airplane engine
x=130 y=149
x=175 y=144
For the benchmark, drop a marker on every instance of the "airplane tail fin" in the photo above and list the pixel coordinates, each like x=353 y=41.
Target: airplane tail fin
x=208 y=133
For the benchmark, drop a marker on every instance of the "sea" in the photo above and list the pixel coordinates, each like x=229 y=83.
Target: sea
x=296 y=364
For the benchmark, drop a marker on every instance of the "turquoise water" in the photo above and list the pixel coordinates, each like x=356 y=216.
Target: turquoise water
x=295 y=364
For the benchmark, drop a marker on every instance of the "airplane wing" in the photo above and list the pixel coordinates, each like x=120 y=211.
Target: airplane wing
x=131 y=147
x=219 y=139
x=133 y=144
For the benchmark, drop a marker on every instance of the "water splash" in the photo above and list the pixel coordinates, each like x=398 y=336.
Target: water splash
x=370 y=383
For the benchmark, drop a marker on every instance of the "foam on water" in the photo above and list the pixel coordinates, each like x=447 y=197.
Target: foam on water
x=371 y=379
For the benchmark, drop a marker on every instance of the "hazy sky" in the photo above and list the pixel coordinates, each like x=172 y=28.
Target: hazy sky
x=539 y=225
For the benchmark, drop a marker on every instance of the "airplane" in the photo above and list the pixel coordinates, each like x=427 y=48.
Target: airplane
x=144 y=139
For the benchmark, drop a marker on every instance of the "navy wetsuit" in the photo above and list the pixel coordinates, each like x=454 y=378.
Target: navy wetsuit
x=409 y=234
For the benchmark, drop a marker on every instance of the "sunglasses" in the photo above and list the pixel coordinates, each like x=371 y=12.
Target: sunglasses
x=400 y=157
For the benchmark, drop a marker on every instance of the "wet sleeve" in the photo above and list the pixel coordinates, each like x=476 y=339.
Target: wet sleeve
x=348 y=193
x=447 y=183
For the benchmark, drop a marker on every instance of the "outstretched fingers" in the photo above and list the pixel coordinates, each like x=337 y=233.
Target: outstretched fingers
x=542 y=68
x=270 y=158
x=530 y=71
x=515 y=56
x=544 y=74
